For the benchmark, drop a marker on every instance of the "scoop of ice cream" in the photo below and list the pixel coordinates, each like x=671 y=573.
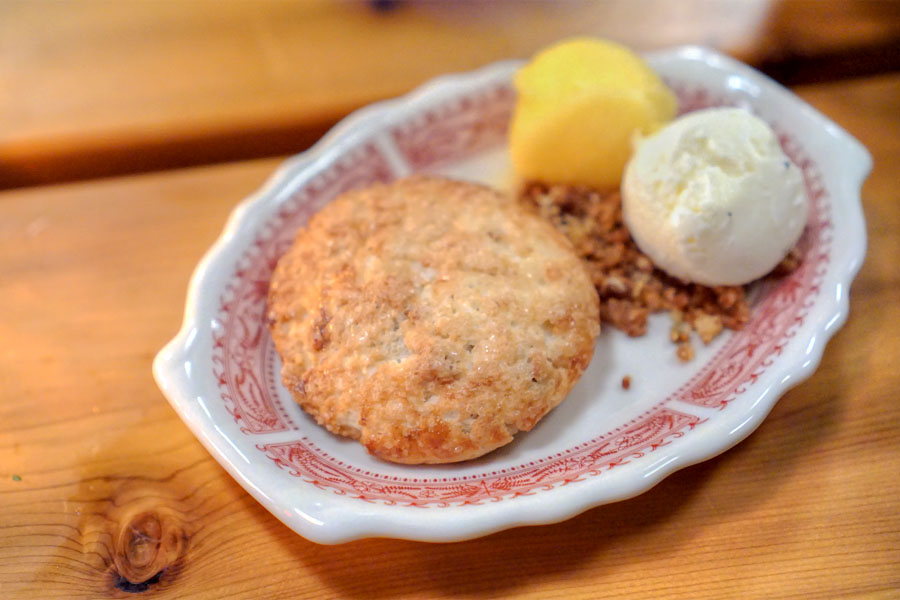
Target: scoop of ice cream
x=712 y=198
x=579 y=104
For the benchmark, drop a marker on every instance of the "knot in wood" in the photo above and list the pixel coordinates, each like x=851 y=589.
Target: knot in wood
x=142 y=541
x=149 y=537
x=146 y=544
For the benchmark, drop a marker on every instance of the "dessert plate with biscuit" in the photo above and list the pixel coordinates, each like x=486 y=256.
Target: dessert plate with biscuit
x=519 y=293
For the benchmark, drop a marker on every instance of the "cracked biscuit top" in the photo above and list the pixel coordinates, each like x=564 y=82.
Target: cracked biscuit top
x=430 y=319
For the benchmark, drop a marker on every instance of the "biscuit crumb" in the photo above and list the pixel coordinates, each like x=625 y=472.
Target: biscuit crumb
x=707 y=326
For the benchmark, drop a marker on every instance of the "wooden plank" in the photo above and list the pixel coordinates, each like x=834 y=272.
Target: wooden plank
x=104 y=87
x=95 y=466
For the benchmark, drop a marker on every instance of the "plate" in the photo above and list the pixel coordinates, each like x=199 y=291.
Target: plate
x=604 y=443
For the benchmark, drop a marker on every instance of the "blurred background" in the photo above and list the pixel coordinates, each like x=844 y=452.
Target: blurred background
x=105 y=87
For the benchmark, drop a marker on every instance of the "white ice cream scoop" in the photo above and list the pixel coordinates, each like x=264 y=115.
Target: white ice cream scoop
x=712 y=198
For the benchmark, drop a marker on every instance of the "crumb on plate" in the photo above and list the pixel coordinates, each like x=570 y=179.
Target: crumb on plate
x=629 y=285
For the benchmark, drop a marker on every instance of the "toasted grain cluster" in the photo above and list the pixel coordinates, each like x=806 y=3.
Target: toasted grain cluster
x=430 y=319
x=630 y=286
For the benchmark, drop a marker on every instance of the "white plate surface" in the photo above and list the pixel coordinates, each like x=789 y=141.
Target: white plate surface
x=604 y=443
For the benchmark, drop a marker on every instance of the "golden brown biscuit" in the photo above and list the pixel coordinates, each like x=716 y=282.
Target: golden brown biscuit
x=430 y=319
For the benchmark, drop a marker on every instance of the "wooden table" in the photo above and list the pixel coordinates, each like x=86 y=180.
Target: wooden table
x=106 y=87
x=105 y=493
x=95 y=467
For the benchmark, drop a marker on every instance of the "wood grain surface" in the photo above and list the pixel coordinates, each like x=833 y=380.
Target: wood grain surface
x=103 y=87
x=104 y=493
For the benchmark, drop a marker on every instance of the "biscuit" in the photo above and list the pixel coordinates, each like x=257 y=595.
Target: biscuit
x=430 y=319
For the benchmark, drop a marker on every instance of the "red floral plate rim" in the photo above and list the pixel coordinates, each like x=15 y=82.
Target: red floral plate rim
x=220 y=373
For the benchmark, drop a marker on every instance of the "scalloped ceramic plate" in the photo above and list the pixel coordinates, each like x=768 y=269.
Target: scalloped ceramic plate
x=604 y=443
